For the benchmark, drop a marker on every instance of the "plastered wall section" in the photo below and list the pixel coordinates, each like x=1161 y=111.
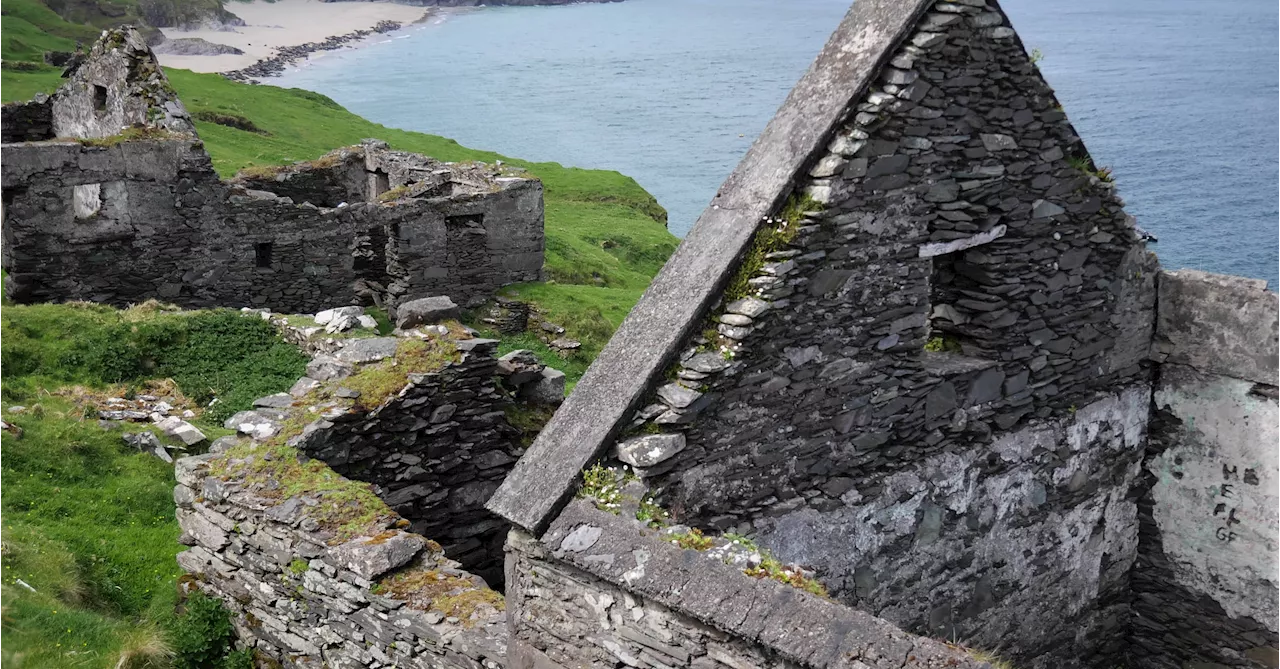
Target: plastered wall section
x=601 y=591
x=1205 y=581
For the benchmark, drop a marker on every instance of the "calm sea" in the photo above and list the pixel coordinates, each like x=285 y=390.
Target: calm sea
x=1179 y=97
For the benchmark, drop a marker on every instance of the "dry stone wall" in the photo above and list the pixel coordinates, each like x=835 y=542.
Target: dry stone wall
x=304 y=600
x=30 y=121
x=436 y=452
x=435 y=449
x=602 y=591
x=166 y=227
x=1204 y=584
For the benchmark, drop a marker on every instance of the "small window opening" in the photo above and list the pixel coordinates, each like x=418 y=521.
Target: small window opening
x=86 y=200
x=262 y=254
x=465 y=219
x=5 y=204
x=379 y=183
x=99 y=98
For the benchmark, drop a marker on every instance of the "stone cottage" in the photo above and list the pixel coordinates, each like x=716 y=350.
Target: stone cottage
x=110 y=196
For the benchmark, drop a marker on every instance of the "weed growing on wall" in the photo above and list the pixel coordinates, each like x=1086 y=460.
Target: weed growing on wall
x=203 y=638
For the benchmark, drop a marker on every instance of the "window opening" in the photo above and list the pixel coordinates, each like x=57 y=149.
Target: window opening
x=86 y=200
x=262 y=254
x=465 y=219
x=99 y=98
x=379 y=183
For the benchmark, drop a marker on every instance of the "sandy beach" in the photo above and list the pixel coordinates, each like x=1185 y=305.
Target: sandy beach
x=282 y=23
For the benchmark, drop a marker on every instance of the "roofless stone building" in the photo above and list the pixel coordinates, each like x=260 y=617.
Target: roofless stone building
x=916 y=344
x=911 y=386
x=110 y=196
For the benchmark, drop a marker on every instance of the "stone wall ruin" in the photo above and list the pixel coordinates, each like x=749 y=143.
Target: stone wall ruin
x=120 y=203
x=913 y=346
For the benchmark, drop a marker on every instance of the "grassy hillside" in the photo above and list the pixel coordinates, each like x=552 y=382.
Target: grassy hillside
x=89 y=537
x=606 y=236
x=87 y=566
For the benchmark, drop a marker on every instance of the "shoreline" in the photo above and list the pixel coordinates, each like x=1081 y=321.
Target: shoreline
x=288 y=55
x=280 y=33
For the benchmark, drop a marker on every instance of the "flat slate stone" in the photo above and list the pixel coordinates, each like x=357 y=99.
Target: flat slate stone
x=372 y=349
x=678 y=396
x=276 y=401
x=371 y=557
x=425 y=311
x=650 y=449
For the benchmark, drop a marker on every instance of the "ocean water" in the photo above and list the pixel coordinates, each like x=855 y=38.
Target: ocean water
x=1178 y=97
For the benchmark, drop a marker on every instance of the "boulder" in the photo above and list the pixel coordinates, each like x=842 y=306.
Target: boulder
x=304 y=386
x=424 y=311
x=223 y=443
x=519 y=367
x=182 y=430
x=342 y=323
x=547 y=389
x=327 y=368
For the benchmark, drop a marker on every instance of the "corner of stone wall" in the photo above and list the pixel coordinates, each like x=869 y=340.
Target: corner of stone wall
x=1203 y=583
x=598 y=590
x=303 y=600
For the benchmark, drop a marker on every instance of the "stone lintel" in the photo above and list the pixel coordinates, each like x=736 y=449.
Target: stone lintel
x=942 y=248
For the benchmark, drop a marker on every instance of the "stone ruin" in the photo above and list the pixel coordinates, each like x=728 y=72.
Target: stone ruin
x=911 y=394
x=109 y=196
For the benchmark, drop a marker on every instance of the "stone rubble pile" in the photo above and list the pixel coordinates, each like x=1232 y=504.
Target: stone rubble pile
x=156 y=410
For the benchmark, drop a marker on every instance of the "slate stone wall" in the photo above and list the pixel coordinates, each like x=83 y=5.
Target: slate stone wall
x=303 y=600
x=30 y=121
x=135 y=210
x=601 y=591
x=165 y=227
x=959 y=214
x=1204 y=584
x=436 y=452
x=117 y=85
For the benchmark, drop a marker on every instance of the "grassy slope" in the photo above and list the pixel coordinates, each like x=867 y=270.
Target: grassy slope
x=75 y=496
x=88 y=523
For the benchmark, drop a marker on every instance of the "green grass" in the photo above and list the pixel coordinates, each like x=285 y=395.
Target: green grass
x=31 y=28
x=89 y=523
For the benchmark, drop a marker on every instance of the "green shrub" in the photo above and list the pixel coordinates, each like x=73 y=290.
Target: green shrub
x=232 y=358
x=202 y=637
